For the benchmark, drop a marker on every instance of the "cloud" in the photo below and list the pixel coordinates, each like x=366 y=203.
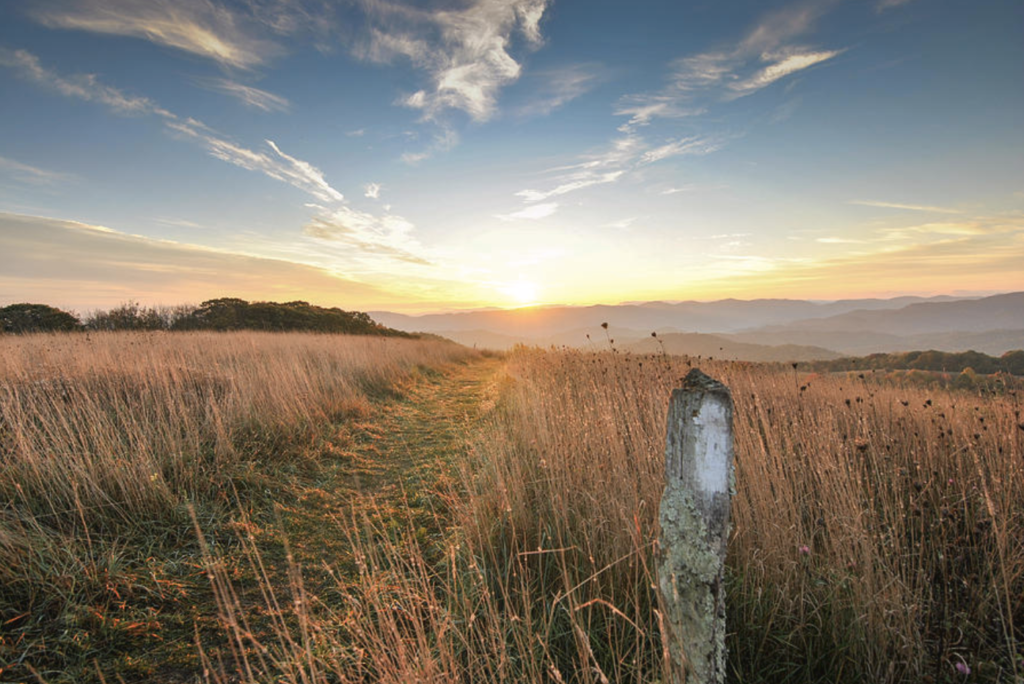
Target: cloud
x=982 y=261
x=621 y=224
x=531 y=213
x=983 y=253
x=571 y=186
x=76 y=264
x=642 y=109
x=372 y=190
x=464 y=49
x=215 y=31
x=908 y=207
x=765 y=55
x=558 y=87
x=689 y=187
x=780 y=67
x=693 y=145
x=389 y=236
x=971 y=227
x=82 y=86
x=249 y=96
x=443 y=140
x=179 y=223
x=889 y=4
x=839 y=241
x=30 y=174
x=279 y=165
x=623 y=156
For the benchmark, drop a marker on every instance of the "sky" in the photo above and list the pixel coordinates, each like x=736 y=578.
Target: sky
x=436 y=155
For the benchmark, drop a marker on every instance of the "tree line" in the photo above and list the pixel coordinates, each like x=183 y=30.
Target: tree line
x=1011 y=362
x=225 y=313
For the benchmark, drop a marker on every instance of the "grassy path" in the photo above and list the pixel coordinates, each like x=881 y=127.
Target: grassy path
x=388 y=467
x=387 y=464
x=395 y=458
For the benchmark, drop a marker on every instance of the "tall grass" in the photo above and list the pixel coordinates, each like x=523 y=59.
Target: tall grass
x=878 y=535
x=878 y=530
x=106 y=439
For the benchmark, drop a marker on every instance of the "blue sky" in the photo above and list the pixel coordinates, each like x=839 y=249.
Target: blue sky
x=425 y=155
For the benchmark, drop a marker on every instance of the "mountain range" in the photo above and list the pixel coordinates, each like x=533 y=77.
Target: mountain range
x=755 y=330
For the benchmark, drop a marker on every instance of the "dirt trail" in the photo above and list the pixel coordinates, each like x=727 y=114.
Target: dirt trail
x=396 y=458
x=389 y=464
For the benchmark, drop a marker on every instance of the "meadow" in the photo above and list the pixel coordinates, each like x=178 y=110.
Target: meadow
x=503 y=526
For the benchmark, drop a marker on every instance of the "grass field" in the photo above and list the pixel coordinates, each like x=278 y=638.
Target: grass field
x=323 y=509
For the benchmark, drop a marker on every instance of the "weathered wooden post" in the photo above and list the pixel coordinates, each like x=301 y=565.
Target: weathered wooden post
x=694 y=520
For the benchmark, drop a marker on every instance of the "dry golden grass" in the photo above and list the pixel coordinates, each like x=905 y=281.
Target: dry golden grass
x=878 y=530
x=106 y=440
x=878 y=535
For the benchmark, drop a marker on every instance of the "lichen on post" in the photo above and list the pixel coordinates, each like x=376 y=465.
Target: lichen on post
x=694 y=519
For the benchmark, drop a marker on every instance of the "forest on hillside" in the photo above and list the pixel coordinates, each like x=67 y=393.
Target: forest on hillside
x=223 y=314
x=1011 y=362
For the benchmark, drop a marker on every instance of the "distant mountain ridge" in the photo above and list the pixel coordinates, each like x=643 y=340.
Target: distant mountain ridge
x=724 y=348
x=726 y=315
x=1004 y=311
x=771 y=328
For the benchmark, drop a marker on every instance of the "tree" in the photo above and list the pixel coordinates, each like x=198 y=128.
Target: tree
x=130 y=316
x=1013 y=362
x=29 y=318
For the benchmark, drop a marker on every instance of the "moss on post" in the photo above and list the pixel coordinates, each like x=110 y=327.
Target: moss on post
x=694 y=519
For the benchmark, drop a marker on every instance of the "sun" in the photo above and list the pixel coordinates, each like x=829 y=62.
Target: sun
x=522 y=292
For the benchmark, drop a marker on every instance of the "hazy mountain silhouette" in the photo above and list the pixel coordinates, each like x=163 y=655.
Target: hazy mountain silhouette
x=814 y=329
x=727 y=315
x=721 y=347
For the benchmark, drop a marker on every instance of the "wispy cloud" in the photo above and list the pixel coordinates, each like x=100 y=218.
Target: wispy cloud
x=65 y=262
x=907 y=207
x=226 y=34
x=621 y=224
x=463 y=49
x=82 y=86
x=584 y=180
x=693 y=145
x=942 y=229
x=558 y=87
x=279 y=165
x=531 y=213
x=248 y=95
x=764 y=56
x=644 y=108
x=624 y=155
x=389 y=236
x=987 y=259
x=442 y=141
x=839 y=241
x=274 y=163
x=372 y=190
x=889 y=4
x=696 y=84
x=779 y=67
x=27 y=173
x=180 y=223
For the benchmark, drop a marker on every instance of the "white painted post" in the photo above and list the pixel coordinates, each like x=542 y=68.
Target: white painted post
x=694 y=520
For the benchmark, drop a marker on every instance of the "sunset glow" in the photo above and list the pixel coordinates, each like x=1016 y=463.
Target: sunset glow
x=504 y=154
x=522 y=292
